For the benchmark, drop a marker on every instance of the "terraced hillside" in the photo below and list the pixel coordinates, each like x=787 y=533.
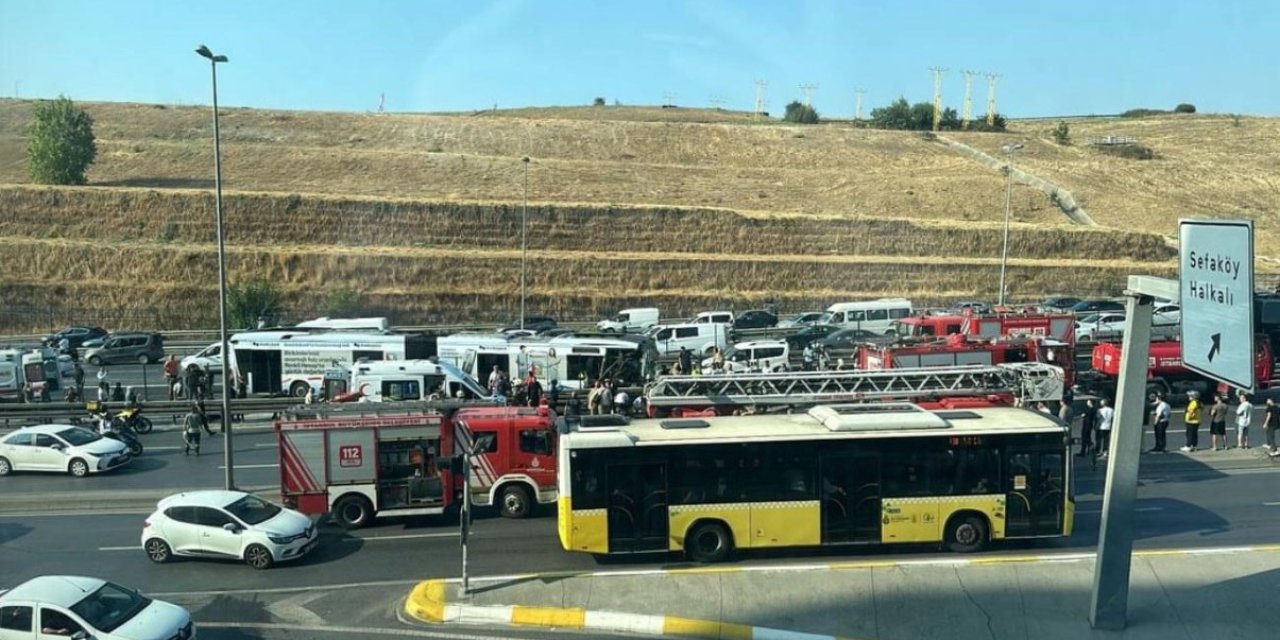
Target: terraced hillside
x=421 y=214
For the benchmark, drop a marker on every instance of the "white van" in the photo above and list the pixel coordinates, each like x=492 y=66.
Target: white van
x=722 y=317
x=876 y=316
x=756 y=356
x=395 y=380
x=697 y=337
x=630 y=320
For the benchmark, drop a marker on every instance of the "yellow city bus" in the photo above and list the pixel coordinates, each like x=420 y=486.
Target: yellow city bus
x=845 y=474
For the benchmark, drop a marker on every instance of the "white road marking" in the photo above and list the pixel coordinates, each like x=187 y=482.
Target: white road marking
x=136 y=547
x=253 y=466
x=166 y=448
x=293 y=609
x=264 y=445
x=406 y=633
x=408 y=536
x=1138 y=510
x=1271 y=504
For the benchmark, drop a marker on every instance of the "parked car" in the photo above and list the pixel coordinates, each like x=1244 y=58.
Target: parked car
x=94 y=343
x=143 y=348
x=227 y=524
x=722 y=317
x=1059 y=303
x=61 y=448
x=845 y=340
x=970 y=306
x=810 y=334
x=531 y=323
x=1100 y=326
x=755 y=319
x=88 y=608
x=1167 y=313
x=76 y=336
x=757 y=355
x=805 y=319
x=1096 y=306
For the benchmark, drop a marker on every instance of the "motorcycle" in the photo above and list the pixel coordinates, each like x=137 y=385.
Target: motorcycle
x=133 y=418
x=115 y=428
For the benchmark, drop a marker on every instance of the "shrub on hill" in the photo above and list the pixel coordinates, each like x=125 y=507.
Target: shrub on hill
x=800 y=113
x=248 y=302
x=1132 y=151
x=1185 y=107
x=917 y=117
x=1062 y=133
x=1143 y=112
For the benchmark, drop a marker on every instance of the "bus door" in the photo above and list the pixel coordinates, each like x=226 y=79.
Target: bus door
x=1034 y=486
x=263 y=368
x=851 y=498
x=637 y=507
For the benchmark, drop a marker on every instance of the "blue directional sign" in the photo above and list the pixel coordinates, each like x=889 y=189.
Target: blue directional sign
x=1216 y=281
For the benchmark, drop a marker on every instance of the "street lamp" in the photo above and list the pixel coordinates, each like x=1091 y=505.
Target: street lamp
x=524 y=239
x=1008 y=150
x=222 y=273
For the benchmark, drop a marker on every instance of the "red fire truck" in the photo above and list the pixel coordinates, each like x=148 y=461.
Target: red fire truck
x=362 y=461
x=1165 y=372
x=961 y=350
x=1058 y=326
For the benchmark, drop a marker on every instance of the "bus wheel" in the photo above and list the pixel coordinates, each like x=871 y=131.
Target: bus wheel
x=515 y=501
x=966 y=534
x=299 y=389
x=353 y=512
x=709 y=542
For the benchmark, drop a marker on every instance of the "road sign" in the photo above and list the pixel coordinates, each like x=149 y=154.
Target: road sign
x=1216 y=283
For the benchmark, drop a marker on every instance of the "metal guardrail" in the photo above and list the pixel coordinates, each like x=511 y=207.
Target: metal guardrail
x=16 y=415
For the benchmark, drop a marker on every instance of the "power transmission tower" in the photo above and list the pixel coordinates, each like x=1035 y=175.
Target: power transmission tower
x=382 y=102
x=808 y=93
x=991 y=98
x=857 y=109
x=668 y=99
x=968 y=97
x=760 y=86
x=937 y=95
x=716 y=102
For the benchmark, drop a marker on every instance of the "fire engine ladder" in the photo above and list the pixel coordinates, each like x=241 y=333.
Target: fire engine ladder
x=1028 y=382
x=335 y=410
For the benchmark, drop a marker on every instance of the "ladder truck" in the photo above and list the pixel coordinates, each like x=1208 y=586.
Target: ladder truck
x=947 y=387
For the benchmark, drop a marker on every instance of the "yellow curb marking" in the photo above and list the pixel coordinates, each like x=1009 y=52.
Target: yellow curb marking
x=548 y=617
x=427 y=601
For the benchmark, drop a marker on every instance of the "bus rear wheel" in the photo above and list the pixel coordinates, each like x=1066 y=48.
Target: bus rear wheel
x=299 y=389
x=708 y=542
x=966 y=533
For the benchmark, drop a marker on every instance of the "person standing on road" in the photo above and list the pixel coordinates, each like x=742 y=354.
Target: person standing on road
x=191 y=425
x=1105 y=417
x=1244 y=418
x=1192 y=420
x=117 y=393
x=1064 y=406
x=77 y=373
x=192 y=381
x=1218 y=422
x=593 y=399
x=1088 y=420
x=171 y=374
x=1160 y=418
x=807 y=356
x=1270 y=424
x=204 y=416
x=686 y=361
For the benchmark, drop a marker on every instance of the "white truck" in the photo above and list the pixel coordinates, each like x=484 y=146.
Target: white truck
x=630 y=321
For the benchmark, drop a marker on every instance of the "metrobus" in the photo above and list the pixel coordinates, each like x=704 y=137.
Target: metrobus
x=294 y=361
x=573 y=361
x=836 y=475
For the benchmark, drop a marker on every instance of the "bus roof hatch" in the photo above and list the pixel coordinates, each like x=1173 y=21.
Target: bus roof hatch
x=876 y=417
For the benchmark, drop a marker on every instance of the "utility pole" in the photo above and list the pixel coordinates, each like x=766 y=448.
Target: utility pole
x=716 y=102
x=1009 y=150
x=382 y=102
x=991 y=98
x=668 y=99
x=937 y=95
x=808 y=93
x=968 y=97
x=524 y=242
x=760 y=87
x=857 y=109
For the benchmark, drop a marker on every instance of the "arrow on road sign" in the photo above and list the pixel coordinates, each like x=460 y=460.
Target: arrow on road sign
x=1217 y=345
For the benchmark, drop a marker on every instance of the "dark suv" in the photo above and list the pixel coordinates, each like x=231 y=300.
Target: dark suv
x=1096 y=306
x=536 y=324
x=755 y=319
x=143 y=348
x=76 y=336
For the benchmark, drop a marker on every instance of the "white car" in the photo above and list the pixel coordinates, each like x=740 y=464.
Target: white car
x=78 y=607
x=800 y=320
x=208 y=358
x=758 y=355
x=1110 y=325
x=227 y=524
x=62 y=448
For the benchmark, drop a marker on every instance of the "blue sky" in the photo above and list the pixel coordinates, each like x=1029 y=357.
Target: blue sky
x=1093 y=57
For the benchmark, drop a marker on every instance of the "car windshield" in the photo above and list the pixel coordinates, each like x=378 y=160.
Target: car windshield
x=78 y=436
x=252 y=510
x=731 y=353
x=110 y=606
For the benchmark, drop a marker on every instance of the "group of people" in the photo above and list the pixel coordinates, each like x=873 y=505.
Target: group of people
x=1098 y=417
x=528 y=392
x=607 y=396
x=192 y=384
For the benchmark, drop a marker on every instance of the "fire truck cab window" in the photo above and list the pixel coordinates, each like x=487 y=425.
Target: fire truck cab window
x=492 y=444
x=537 y=442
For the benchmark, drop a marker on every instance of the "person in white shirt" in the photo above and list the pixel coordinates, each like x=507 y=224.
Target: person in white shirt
x=1105 y=417
x=1244 y=417
x=1160 y=418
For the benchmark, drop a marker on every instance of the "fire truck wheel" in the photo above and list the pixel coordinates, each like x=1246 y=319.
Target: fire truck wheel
x=515 y=501
x=353 y=512
x=966 y=533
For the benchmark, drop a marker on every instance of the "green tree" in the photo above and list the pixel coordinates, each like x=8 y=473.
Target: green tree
x=921 y=116
x=1185 y=107
x=801 y=113
x=1062 y=133
x=598 y=102
x=61 y=147
x=895 y=116
x=249 y=301
x=343 y=302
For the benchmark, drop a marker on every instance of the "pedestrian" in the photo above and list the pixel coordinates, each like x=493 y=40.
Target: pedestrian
x=1088 y=420
x=204 y=416
x=806 y=357
x=553 y=395
x=1064 y=406
x=593 y=399
x=717 y=359
x=606 y=398
x=192 y=383
x=64 y=346
x=685 y=359
x=104 y=391
x=117 y=393
x=1105 y=417
x=533 y=390
x=621 y=401
x=1270 y=424
x=171 y=367
x=73 y=395
x=1160 y=418
x=77 y=373
x=1244 y=417
x=191 y=425
x=1192 y=420
x=1218 y=422
x=102 y=374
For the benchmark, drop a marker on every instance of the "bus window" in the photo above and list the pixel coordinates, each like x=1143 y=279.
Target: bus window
x=579 y=367
x=586 y=485
x=969 y=471
x=906 y=474
x=371 y=356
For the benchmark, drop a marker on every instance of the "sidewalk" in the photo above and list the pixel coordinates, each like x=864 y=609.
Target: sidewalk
x=1206 y=593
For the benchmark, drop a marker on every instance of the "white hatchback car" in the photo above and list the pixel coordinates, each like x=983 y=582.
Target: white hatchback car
x=758 y=355
x=227 y=524
x=62 y=448
x=78 y=607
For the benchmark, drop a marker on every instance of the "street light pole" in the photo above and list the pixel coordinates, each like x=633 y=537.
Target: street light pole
x=1008 y=196
x=524 y=240
x=227 y=454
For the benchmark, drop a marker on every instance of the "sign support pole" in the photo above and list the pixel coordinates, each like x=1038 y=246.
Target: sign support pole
x=465 y=522
x=1108 y=608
